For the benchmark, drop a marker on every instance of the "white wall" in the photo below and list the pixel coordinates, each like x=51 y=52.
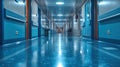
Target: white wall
x=13 y=6
x=108 y=5
x=34 y=12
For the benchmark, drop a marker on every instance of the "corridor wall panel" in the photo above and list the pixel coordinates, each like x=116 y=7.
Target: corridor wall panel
x=34 y=31
x=13 y=6
x=111 y=31
x=109 y=21
x=34 y=9
x=86 y=28
x=14 y=30
x=106 y=6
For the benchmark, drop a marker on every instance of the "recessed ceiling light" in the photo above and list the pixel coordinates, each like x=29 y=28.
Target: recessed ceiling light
x=59 y=3
x=21 y=3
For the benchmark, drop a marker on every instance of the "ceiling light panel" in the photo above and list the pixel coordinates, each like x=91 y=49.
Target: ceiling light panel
x=60 y=3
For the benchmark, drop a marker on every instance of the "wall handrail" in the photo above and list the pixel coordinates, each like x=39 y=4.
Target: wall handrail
x=14 y=16
x=109 y=17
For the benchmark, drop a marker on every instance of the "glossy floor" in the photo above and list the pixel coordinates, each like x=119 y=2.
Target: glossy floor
x=60 y=51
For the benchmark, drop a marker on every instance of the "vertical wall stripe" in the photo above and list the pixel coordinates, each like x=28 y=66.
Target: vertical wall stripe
x=46 y=30
x=94 y=19
x=28 y=20
x=39 y=22
x=1 y=22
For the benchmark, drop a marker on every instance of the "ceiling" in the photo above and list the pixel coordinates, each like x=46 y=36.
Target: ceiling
x=54 y=10
x=64 y=9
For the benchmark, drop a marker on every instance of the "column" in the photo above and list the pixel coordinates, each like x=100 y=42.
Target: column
x=39 y=22
x=94 y=20
x=28 y=20
x=46 y=30
x=1 y=22
x=78 y=20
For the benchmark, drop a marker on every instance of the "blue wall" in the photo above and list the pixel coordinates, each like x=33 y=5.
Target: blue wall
x=113 y=27
x=10 y=28
x=109 y=28
x=86 y=31
x=34 y=31
x=42 y=31
x=14 y=22
x=109 y=25
x=14 y=29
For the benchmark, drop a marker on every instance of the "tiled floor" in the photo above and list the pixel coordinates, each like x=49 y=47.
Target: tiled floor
x=60 y=51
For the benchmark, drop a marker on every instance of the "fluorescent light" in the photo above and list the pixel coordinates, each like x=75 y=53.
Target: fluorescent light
x=103 y=3
x=59 y=3
x=59 y=15
x=34 y=15
x=21 y=3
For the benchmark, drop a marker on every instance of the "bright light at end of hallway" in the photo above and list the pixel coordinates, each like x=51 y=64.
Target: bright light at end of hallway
x=60 y=15
x=60 y=3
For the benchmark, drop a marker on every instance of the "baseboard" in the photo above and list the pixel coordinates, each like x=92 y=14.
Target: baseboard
x=34 y=36
x=13 y=40
x=110 y=40
x=86 y=36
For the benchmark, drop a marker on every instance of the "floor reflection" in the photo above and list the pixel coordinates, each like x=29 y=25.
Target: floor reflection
x=59 y=51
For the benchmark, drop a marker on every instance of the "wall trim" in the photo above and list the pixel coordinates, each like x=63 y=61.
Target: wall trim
x=15 y=21
x=13 y=40
x=115 y=41
x=34 y=36
x=11 y=15
x=87 y=36
x=110 y=14
x=34 y=26
x=110 y=40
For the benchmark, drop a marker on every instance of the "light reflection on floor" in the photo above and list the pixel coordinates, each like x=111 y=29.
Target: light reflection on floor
x=59 y=51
